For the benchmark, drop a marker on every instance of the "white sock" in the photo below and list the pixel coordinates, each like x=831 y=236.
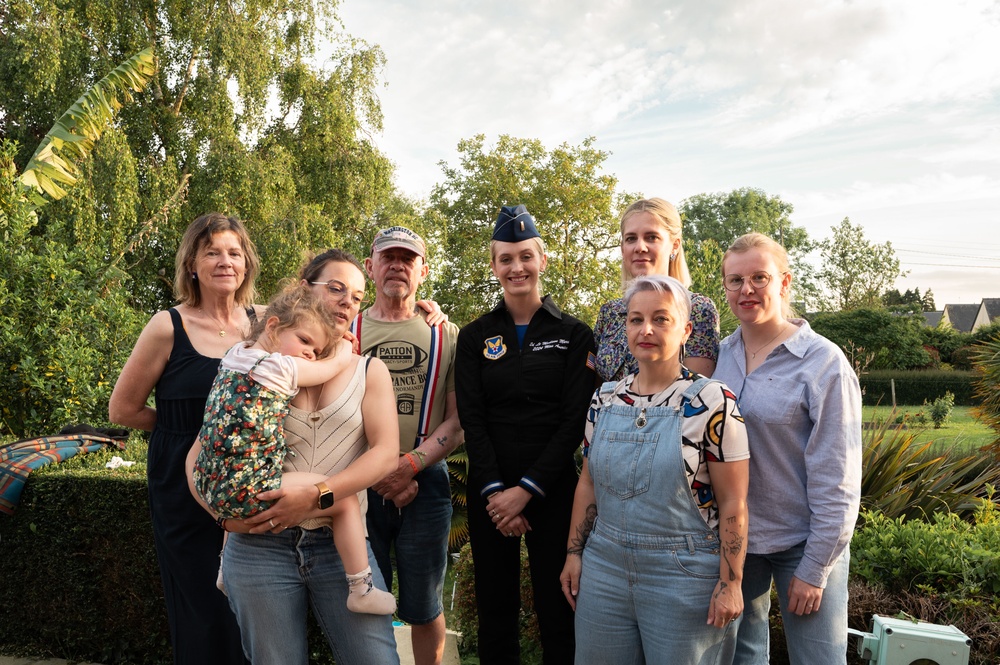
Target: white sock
x=365 y=597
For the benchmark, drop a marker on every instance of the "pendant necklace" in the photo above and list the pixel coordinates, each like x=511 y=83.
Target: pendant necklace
x=222 y=329
x=753 y=354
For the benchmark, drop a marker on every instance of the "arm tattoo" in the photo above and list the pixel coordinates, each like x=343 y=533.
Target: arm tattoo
x=722 y=587
x=732 y=553
x=441 y=440
x=584 y=528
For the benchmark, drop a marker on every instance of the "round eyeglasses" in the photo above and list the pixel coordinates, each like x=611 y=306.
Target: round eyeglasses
x=339 y=290
x=758 y=280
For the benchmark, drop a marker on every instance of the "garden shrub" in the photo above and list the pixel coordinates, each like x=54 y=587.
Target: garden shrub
x=941 y=409
x=943 y=569
x=81 y=580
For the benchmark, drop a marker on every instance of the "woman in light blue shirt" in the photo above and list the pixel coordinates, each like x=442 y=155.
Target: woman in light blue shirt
x=802 y=405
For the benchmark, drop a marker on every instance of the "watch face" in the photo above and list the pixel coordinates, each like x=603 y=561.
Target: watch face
x=326 y=500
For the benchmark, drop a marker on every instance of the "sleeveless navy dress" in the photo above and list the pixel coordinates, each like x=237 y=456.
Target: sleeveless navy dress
x=203 y=629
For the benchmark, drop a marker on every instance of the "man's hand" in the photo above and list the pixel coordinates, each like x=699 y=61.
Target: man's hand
x=396 y=481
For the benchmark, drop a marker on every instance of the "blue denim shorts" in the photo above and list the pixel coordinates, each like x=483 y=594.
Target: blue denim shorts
x=418 y=535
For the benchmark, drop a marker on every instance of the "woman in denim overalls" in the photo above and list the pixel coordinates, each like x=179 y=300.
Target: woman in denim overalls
x=650 y=575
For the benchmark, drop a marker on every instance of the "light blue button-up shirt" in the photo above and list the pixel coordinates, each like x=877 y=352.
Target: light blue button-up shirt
x=802 y=408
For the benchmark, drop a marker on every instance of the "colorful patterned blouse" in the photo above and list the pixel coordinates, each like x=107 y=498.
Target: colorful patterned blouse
x=615 y=361
x=712 y=431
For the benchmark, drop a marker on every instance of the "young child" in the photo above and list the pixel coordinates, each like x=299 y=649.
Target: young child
x=241 y=446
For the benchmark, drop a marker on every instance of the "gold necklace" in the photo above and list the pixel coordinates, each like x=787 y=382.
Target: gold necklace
x=753 y=354
x=222 y=328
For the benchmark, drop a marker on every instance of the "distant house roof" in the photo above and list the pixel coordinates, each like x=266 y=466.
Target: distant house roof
x=961 y=317
x=992 y=306
x=931 y=319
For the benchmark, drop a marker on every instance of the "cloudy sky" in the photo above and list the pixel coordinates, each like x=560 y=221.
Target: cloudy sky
x=884 y=111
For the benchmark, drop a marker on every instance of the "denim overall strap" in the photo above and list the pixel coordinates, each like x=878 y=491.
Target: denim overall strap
x=640 y=481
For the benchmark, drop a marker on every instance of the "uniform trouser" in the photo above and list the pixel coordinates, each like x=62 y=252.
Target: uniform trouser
x=497 y=565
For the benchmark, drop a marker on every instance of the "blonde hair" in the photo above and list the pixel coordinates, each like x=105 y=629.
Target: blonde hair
x=764 y=243
x=198 y=235
x=294 y=306
x=539 y=245
x=666 y=214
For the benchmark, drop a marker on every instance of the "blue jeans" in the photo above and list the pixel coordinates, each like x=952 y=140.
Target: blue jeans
x=819 y=638
x=419 y=532
x=271 y=579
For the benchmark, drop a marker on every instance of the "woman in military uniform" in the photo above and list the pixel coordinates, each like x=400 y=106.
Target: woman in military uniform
x=524 y=378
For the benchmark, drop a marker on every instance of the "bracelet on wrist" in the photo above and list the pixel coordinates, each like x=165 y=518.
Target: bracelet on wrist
x=221 y=523
x=413 y=465
x=420 y=455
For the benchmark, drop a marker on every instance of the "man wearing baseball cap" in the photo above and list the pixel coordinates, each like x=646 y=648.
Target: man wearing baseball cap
x=411 y=508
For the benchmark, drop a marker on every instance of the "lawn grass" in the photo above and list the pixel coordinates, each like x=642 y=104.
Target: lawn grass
x=961 y=431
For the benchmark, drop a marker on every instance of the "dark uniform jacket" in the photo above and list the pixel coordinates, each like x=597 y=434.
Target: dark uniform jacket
x=523 y=409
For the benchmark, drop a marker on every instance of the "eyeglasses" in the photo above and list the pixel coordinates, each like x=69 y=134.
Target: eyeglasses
x=758 y=280
x=339 y=290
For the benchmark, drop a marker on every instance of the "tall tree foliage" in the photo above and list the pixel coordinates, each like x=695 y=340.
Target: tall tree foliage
x=573 y=201
x=235 y=119
x=713 y=221
x=855 y=271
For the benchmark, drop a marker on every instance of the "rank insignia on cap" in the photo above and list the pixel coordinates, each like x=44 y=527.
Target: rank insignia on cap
x=514 y=224
x=494 y=348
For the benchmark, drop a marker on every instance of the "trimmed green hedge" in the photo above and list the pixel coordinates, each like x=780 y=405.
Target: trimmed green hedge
x=80 y=577
x=914 y=387
x=80 y=574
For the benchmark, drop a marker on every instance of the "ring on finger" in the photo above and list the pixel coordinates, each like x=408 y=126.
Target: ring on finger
x=271 y=522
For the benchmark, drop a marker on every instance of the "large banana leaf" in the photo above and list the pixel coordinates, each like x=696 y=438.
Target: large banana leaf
x=56 y=162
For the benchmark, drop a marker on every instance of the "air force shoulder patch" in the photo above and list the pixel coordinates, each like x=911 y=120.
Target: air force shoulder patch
x=494 y=348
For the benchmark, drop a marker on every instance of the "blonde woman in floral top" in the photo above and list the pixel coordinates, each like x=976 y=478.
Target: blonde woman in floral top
x=241 y=448
x=652 y=245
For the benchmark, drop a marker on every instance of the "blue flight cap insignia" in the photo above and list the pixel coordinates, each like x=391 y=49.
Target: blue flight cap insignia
x=514 y=224
x=494 y=348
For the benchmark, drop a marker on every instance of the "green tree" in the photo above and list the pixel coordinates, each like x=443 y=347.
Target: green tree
x=856 y=272
x=65 y=321
x=927 y=302
x=573 y=201
x=894 y=341
x=236 y=119
x=713 y=221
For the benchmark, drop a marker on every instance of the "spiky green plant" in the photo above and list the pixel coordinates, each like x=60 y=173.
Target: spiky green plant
x=56 y=162
x=902 y=478
x=458 y=467
x=986 y=386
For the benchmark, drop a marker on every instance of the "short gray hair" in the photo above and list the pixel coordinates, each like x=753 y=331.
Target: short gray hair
x=661 y=284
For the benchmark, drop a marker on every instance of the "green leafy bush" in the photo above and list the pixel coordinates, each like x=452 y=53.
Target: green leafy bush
x=894 y=341
x=66 y=327
x=944 y=570
x=941 y=409
x=81 y=581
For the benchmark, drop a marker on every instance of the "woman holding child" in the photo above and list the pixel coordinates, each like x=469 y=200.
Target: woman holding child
x=178 y=355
